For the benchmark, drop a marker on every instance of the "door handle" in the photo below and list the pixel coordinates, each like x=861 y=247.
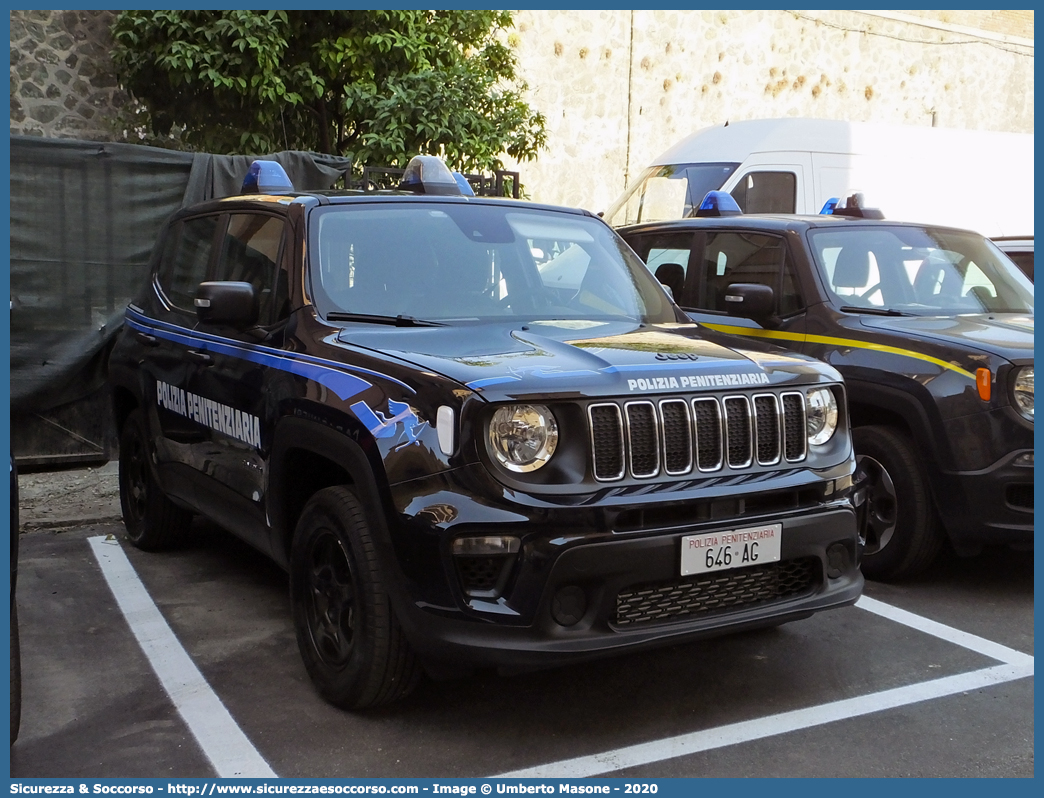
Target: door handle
x=148 y=340
x=200 y=357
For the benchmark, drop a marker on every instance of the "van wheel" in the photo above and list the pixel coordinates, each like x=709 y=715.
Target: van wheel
x=350 y=640
x=903 y=532
x=152 y=520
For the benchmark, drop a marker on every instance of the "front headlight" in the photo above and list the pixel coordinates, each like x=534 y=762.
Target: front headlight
x=1023 y=391
x=523 y=437
x=820 y=415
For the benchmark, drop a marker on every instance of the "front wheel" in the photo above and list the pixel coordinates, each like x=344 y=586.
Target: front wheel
x=350 y=640
x=152 y=520
x=903 y=532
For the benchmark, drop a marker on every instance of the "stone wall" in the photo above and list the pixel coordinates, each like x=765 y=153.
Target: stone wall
x=619 y=87
x=62 y=81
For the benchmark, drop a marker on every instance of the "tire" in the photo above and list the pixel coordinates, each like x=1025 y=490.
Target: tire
x=904 y=534
x=16 y=676
x=350 y=640
x=152 y=520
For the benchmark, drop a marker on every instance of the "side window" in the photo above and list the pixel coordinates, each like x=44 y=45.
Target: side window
x=747 y=258
x=249 y=254
x=766 y=192
x=186 y=259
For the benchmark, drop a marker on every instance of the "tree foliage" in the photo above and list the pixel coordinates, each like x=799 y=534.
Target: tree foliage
x=380 y=86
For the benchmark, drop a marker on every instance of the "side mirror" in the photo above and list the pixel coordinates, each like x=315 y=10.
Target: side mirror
x=750 y=300
x=231 y=303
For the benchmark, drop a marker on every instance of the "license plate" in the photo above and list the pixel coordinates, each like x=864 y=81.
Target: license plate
x=737 y=548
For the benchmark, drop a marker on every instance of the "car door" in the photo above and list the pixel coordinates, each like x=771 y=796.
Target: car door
x=733 y=256
x=708 y=261
x=232 y=383
x=171 y=353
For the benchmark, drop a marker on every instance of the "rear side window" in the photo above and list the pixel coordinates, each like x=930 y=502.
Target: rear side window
x=766 y=192
x=186 y=260
x=250 y=253
x=666 y=255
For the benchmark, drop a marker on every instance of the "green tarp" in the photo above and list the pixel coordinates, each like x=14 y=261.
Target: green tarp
x=84 y=217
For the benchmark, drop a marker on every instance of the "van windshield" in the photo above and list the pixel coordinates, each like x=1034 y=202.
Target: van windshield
x=921 y=271
x=662 y=193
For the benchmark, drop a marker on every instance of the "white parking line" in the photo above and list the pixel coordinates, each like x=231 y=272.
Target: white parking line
x=222 y=741
x=1016 y=665
x=980 y=645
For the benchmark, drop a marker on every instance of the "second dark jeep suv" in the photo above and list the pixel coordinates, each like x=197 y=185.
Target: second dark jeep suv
x=932 y=329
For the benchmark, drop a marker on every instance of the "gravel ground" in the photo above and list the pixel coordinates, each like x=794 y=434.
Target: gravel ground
x=52 y=499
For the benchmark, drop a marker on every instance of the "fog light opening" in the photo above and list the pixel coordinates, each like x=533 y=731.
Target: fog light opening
x=569 y=605
x=837 y=560
x=484 y=563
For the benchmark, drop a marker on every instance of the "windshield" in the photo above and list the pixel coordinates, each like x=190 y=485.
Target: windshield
x=919 y=270
x=461 y=261
x=662 y=193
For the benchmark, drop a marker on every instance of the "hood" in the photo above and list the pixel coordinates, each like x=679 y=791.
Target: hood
x=585 y=358
x=1009 y=335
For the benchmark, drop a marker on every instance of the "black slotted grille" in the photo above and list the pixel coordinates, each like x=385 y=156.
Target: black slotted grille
x=641 y=434
x=708 y=433
x=767 y=428
x=717 y=592
x=677 y=436
x=643 y=438
x=607 y=441
x=795 y=436
x=737 y=431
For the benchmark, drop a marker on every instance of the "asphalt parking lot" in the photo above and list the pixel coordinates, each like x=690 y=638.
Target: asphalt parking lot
x=929 y=678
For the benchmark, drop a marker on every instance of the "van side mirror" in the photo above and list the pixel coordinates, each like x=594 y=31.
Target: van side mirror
x=232 y=303
x=750 y=300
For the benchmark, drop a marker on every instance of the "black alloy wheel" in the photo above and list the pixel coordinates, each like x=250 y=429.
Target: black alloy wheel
x=331 y=601
x=881 y=505
x=152 y=520
x=904 y=533
x=350 y=640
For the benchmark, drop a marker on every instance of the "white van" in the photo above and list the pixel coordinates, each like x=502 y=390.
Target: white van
x=973 y=179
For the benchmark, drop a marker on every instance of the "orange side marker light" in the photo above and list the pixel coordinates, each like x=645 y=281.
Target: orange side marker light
x=983 y=383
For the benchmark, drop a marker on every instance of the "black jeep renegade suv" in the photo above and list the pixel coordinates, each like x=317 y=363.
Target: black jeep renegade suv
x=476 y=432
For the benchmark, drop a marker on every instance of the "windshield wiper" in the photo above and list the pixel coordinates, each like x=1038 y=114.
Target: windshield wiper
x=394 y=321
x=873 y=311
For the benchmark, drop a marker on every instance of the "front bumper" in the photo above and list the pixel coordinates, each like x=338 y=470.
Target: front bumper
x=575 y=594
x=993 y=506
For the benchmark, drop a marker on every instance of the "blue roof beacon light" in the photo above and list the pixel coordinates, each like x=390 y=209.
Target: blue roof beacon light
x=828 y=207
x=266 y=177
x=427 y=174
x=464 y=185
x=853 y=206
x=718 y=203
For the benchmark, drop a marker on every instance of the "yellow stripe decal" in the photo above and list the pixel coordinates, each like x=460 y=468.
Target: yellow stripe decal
x=826 y=339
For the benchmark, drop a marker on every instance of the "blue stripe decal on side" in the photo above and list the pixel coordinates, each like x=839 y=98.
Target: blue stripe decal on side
x=154 y=325
x=342 y=384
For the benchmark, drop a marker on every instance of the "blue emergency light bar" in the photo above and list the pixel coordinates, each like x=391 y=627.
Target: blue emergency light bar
x=718 y=203
x=266 y=177
x=427 y=174
x=853 y=206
